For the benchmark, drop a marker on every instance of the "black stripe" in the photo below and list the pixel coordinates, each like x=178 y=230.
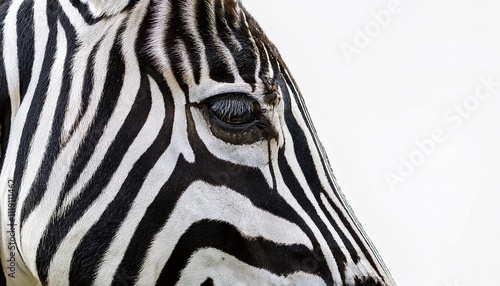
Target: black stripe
x=112 y=86
x=38 y=101
x=258 y=252
x=107 y=104
x=5 y=108
x=236 y=177
x=59 y=227
x=153 y=220
x=247 y=181
x=218 y=68
x=208 y=282
x=88 y=83
x=177 y=31
x=294 y=186
x=142 y=38
x=88 y=256
x=265 y=47
x=296 y=95
x=307 y=163
x=85 y=12
x=307 y=166
x=310 y=174
x=25 y=44
x=245 y=57
x=39 y=186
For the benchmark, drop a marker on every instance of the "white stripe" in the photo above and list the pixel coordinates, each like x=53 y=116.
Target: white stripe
x=19 y=112
x=343 y=205
x=128 y=93
x=59 y=270
x=292 y=201
x=186 y=69
x=203 y=201
x=12 y=78
x=363 y=268
x=150 y=189
x=225 y=269
x=189 y=15
x=153 y=183
x=155 y=47
x=78 y=70
x=89 y=36
x=74 y=16
x=271 y=70
x=11 y=56
x=40 y=42
x=42 y=134
x=105 y=7
x=36 y=223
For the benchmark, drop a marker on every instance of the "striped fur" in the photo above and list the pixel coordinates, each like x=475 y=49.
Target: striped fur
x=116 y=167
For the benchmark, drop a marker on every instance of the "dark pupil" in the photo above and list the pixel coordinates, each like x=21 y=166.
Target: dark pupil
x=233 y=110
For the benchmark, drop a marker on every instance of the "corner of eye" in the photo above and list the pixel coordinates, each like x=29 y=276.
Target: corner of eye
x=272 y=98
x=196 y=104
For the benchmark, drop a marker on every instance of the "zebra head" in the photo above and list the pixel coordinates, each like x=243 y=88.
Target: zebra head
x=173 y=147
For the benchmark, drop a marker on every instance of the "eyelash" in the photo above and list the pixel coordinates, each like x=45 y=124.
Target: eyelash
x=235 y=110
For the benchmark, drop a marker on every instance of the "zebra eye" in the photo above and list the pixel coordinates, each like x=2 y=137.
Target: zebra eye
x=236 y=118
x=236 y=110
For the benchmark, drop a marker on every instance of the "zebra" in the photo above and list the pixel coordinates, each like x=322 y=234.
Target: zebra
x=163 y=142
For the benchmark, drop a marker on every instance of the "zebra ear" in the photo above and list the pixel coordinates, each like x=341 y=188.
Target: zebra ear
x=100 y=8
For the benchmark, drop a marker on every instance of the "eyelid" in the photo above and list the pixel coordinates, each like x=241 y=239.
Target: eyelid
x=204 y=92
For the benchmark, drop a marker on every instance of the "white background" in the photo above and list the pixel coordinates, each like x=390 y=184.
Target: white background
x=439 y=225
